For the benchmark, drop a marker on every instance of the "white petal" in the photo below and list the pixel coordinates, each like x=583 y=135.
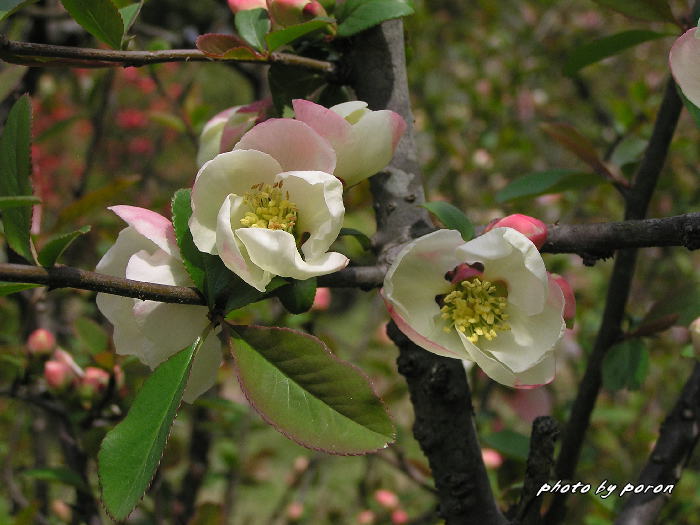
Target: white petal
x=348 y=108
x=204 y=368
x=128 y=242
x=319 y=198
x=684 y=60
x=276 y=252
x=232 y=252
x=151 y=225
x=229 y=173
x=210 y=138
x=158 y=267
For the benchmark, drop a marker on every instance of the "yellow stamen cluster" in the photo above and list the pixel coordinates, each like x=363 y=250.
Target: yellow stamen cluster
x=477 y=309
x=270 y=208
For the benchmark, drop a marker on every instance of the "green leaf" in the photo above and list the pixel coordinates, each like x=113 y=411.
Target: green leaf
x=131 y=451
x=692 y=108
x=279 y=38
x=15 y=172
x=129 y=14
x=626 y=365
x=100 y=18
x=628 y=151
x=682 y=300
x=649 y=10
x=364 y=241
x=192 y=258
x=168 y=120
x=509 y=443
x=358 y=15
x=543 y=182
x=289 y=82
x=8 y=7
x=53 y=249
x=452 y=217
x=569 y=137
x=10 y=288
x=18 y=202
x=298 y=296
x=57 y=474
x=91 y=334
x=304 y=391
x=597 y=50
x=10 y=77
x=244 y=294
x=252 y=25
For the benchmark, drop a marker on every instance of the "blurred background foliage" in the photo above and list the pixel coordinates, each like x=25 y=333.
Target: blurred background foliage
x=484 y=76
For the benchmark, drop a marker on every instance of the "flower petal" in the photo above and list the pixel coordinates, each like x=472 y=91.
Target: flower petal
x=211 y=137
x=326 y=122
x=151 y=225
x=275 y=251
x=204 y=368
x=128 y=242
x=227 y=245
x=684 y=60
x=295 y=145
x=346 y=109
x=319 y=198
x=229 y=173
x=158 y=267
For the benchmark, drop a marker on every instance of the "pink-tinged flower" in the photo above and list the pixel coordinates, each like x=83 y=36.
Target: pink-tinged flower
x=41 y=342
x=295 y=510
x=386 y=498
x=364 y=141
x=94 y=382
x=245 y=5
x=322 y=299
x=399 y=516
x=225 y=129
x=491 y=458
x=147 y=251
x=366 y=517
x=290 y=12
x=58 y=375
x=684 y=60
x=507 y=319
x=264 y=220
x=533 y=229
x=569 y=297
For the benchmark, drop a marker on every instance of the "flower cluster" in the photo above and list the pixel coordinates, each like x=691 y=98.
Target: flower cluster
x=488 y=301
x=267 y=200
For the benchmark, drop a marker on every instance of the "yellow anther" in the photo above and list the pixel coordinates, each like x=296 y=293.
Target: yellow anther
x=270 y=208
x=477 y=309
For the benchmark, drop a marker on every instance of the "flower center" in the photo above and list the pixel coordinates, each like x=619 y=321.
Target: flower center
x=476 y=308
x=270 y=208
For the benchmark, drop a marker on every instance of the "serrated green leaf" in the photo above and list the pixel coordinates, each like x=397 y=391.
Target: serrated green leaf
x=649 y=10
x=131 y=451
x=252 y=25
x=289 y=82
x=192 y=258
x=18 y=202
x=282 y=37
x=57 y=474
x=100 y=18
x=509 y=443
x=304 y=391
x=15 y=172
x=597 y=50
x=364 y=241
x=54 y=248
x=10 y=288
x=626 y=365
x=543 y=182
x=10 y=77
x=8 y=7
x=298 y=296
x=358 y=15
x=452 y=217
x=92 y=335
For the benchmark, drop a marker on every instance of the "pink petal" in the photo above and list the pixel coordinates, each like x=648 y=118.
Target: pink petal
x=292 y=143
x=684 y=60
x=325 y=122
x=151 y=225
x=398 y=125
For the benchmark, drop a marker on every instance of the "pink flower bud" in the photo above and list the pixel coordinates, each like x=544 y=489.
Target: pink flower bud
x=322 y=299
x=290 y=12
x=386 y=498
x=569 y=298
x=245 y=5
x=366 y=517
x=58 y=375
x=312 y=10
x=463 y=272
x=533 y=229
x=64 y=357
x=94 y=381
x=399 y=516
x=295 y=510
x=492 y=459
x=41 y=342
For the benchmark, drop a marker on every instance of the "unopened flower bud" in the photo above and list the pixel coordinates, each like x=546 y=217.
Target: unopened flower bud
x=695 y=335
x=58 y=375
x=295 y=510
x=386 y=498
x=322 y=299
x=366 y=517
x=533 y=229
x=491 y=457
x=94 y=381
x=245 y=5
x=569 y=298
x=41 y=342
x=64 y=357
x=312 y=10
x=399 y=517
x=290 y=12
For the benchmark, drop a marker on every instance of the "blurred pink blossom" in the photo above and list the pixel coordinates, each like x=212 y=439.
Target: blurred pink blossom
x=386 y=498
x=41 y=342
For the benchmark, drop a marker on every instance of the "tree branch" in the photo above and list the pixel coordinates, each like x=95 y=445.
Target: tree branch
x=31 y=54
x=677 y=438
x=637 y=201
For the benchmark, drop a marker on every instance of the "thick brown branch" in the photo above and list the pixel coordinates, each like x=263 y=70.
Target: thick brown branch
x=29 y=53
x=678 y=436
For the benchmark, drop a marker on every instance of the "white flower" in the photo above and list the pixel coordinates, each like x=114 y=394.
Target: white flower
x=364 y=140
x=153 y=331
x=489 y=301
x=684 y=60
x=261 y=216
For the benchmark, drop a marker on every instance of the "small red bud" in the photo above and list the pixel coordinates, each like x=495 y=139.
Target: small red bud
x=245 y=5
x=58 y=375
x=322 y=299
x=491 y=457
x=533 y=229
x=312 y=10
x=386 y=498
x=399 y=517
x=41 y=342
x=94 y=381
